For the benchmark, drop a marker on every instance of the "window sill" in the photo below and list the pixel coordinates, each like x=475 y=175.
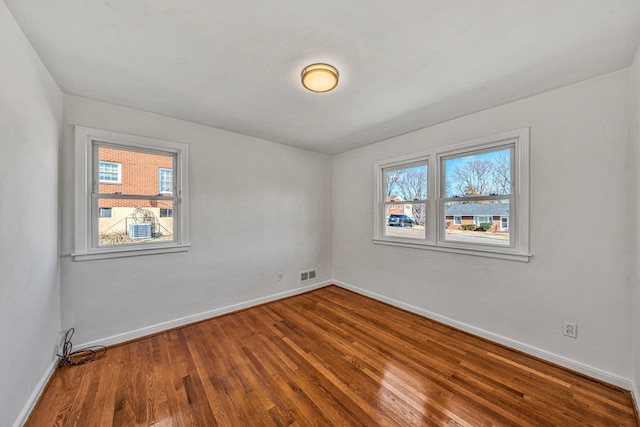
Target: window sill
x=128 y=252
x=486 y=252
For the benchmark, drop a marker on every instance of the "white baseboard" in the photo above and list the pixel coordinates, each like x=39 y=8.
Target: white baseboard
x=35 y=395
x=159 y=327
x=635 y=395
x=127 y=336
x=517 y=345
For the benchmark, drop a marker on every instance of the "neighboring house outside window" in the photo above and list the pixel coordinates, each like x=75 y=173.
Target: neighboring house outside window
x=397 y=208
x=140 y=219
x=482 y=219
x=478 y=199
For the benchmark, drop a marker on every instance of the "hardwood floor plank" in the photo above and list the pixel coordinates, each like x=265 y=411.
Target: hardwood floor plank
x=329 y=357
x=440 y=376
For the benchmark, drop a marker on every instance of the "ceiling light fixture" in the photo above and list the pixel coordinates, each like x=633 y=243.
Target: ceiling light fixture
x=320 y=77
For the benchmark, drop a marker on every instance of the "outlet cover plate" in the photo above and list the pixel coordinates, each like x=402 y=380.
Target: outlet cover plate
x=570 y=329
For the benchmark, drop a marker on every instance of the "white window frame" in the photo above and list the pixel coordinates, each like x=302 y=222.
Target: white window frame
x=457 y=220
x=119 y=172
x=435 y=230
x=86 y=224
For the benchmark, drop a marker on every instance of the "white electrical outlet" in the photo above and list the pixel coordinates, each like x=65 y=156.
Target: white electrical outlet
x=280 y=276
x=570 y=329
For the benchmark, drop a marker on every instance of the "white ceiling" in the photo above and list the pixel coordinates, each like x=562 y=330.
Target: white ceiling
x=404 y=64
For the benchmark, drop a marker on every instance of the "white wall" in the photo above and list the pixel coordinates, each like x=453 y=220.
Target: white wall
x=580 y=226
x=635 y=308
x=30 y=128
x=257 y=208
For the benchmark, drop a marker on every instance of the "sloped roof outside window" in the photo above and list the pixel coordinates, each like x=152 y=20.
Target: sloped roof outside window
x=478 y=209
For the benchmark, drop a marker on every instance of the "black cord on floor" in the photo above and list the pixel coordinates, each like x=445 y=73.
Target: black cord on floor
x=78 y=357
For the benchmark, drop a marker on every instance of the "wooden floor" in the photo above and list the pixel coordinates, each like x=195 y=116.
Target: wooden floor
x=326 y=358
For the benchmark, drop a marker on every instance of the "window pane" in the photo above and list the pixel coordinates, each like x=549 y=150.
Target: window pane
x=165 y=180
x=478 y=222
x=139 y=172
x=504 y=223
x=406 y=184
x=485 y=174
x=410 y=223
x=104 y=212
x=135 y=221
x=109 y=172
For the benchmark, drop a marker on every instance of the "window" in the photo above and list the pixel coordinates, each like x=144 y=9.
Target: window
x=482 y=219
x=406 y=182
x=104 y=212
x=504 y=223
x=476 y=181
x=110 y=172
x=165 y=180
x=135 y=206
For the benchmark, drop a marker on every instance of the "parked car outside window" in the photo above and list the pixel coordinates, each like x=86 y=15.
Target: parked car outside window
x=400 y=220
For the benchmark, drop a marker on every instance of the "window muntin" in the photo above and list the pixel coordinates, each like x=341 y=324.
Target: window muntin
x=135 y=200
x=109 y=172
x=165 y=180
x=408 y=185
x=504 y=204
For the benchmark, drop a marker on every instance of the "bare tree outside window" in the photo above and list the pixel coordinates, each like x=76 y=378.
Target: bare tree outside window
x=412 y=186
x=478 y=191
x=469 y=197
x=487 y=174
x=406 y=188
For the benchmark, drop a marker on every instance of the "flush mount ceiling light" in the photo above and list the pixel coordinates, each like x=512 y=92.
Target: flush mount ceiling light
x=320 y=77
